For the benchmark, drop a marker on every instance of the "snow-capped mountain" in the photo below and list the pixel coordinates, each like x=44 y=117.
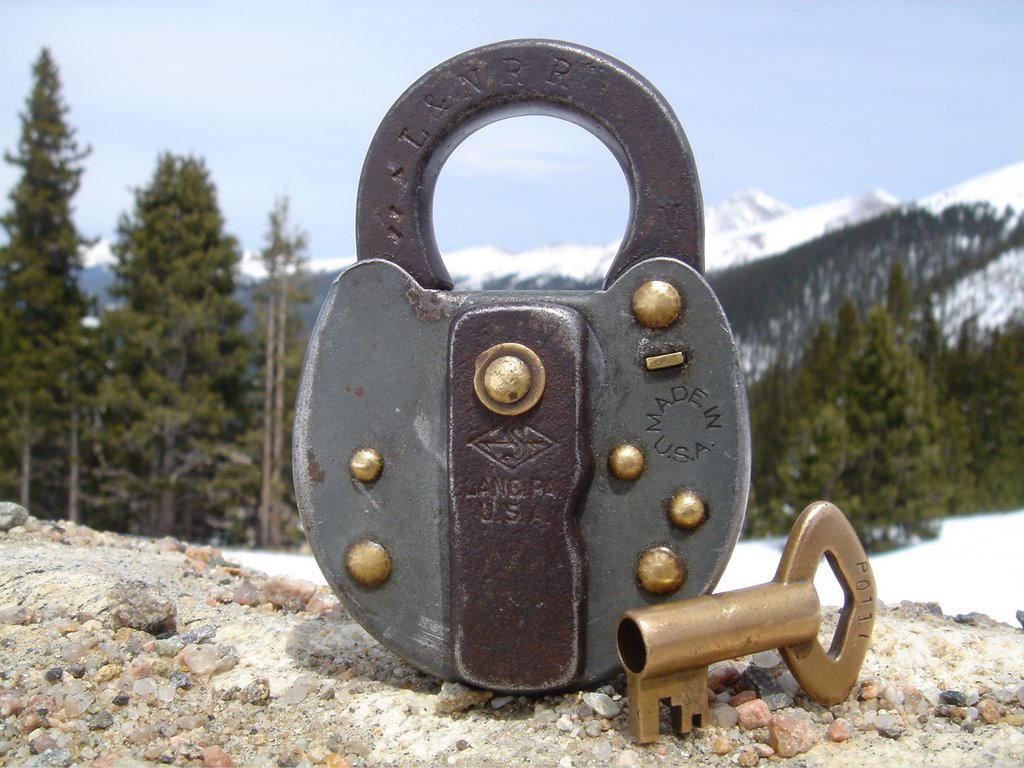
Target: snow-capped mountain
x=729 y=244
x=1002 y=189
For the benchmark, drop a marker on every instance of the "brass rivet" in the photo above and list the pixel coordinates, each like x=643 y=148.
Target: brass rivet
x=660 y=571
x=366 y=465
x=626 y=462
x=368 y=563
x=656 y=304
x=686 y=510
x=507 y=379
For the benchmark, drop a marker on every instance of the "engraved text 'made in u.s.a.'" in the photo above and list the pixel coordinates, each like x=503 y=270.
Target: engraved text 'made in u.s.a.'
x=513 y=500
x=687 y=447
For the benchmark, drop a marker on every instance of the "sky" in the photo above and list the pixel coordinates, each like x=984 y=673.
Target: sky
x=809 y=102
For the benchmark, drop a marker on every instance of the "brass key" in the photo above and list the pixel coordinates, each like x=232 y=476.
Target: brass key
x=666 y=649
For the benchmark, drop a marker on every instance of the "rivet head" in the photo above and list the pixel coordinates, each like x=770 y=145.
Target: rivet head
x=507 y=379
x=366 y=465
x=626 y=462
x=657 y=304
x=660 y=571
x=686 y=510
x=368 y=563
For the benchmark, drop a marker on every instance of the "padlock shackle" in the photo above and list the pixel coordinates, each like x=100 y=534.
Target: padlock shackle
x=394 y=209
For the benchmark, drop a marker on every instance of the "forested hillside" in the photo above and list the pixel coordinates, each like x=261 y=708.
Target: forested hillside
x=776 y=304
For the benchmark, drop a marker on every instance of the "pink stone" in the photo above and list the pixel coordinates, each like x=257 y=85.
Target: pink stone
x=753 y=714
x=840 y=730
x=790 y=736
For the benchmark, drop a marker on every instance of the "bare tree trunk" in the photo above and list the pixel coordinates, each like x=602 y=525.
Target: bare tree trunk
x=26 y=471
x=279 y=383
x=264 y=515
x=74 y=470
x=165 y=512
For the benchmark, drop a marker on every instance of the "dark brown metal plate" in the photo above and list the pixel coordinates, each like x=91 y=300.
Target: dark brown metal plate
x=517 y=565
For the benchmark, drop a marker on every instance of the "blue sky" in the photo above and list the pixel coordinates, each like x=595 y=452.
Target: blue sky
x=807 y=101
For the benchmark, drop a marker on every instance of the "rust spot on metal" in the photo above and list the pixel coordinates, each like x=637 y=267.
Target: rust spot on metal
x=431 y=306
x=316 y=474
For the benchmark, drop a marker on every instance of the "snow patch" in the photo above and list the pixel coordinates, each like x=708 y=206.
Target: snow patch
x=990 y=296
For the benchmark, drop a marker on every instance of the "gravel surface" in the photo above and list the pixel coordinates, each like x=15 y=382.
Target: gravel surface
x=123 y=651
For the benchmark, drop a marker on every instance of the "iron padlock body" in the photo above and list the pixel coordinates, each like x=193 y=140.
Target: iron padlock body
x=477 y=587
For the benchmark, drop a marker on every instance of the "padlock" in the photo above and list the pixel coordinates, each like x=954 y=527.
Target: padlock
x=488 y=479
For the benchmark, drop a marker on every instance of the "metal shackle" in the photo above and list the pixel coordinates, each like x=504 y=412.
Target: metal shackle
x=394 y=207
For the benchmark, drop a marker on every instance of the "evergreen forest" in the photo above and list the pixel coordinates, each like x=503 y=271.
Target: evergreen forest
x=167 y=411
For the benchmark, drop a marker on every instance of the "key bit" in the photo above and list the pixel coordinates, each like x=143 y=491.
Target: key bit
x=666 y=649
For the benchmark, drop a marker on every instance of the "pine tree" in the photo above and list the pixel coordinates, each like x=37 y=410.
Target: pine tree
x=278 y=304
x=175 y=398
x=895 y=477
x=40 y=300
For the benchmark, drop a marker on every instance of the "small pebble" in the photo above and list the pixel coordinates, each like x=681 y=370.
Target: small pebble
x=839 y=730
x=455 y=697
x=287 y=593
x=12 y=514
x=888 y=726
x=761 y=682
x=215 y=757
x=16 y=614
x=298 y=690
x=200 y=659
x=790 y=736
x=722 y=676
x=990 y=711
x=137 y=605
x=257 y=692
x=500 y=701
x=721 y=746
x=602 y=750
x=100 y=721
x=954 y=698
x=747 y=758
x=753 y=714
x=169 y=646
x=742 y=698
x=247 y=593
x=54 y=674
x=198 y=635
x=564 y=724
x=721 y=715
x=766 y=659
x=602 y=704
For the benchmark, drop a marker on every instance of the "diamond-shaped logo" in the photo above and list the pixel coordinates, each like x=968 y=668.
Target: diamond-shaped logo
x=512 y=446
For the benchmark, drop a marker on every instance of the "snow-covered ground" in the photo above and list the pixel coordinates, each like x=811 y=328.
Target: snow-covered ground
x=974 y=565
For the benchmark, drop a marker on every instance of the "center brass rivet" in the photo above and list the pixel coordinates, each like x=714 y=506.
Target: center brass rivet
x=657 y=304
x=507 y=379
x=660 y=571
x=368 y=563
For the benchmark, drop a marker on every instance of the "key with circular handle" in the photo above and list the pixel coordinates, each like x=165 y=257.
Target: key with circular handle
x=666 y=649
